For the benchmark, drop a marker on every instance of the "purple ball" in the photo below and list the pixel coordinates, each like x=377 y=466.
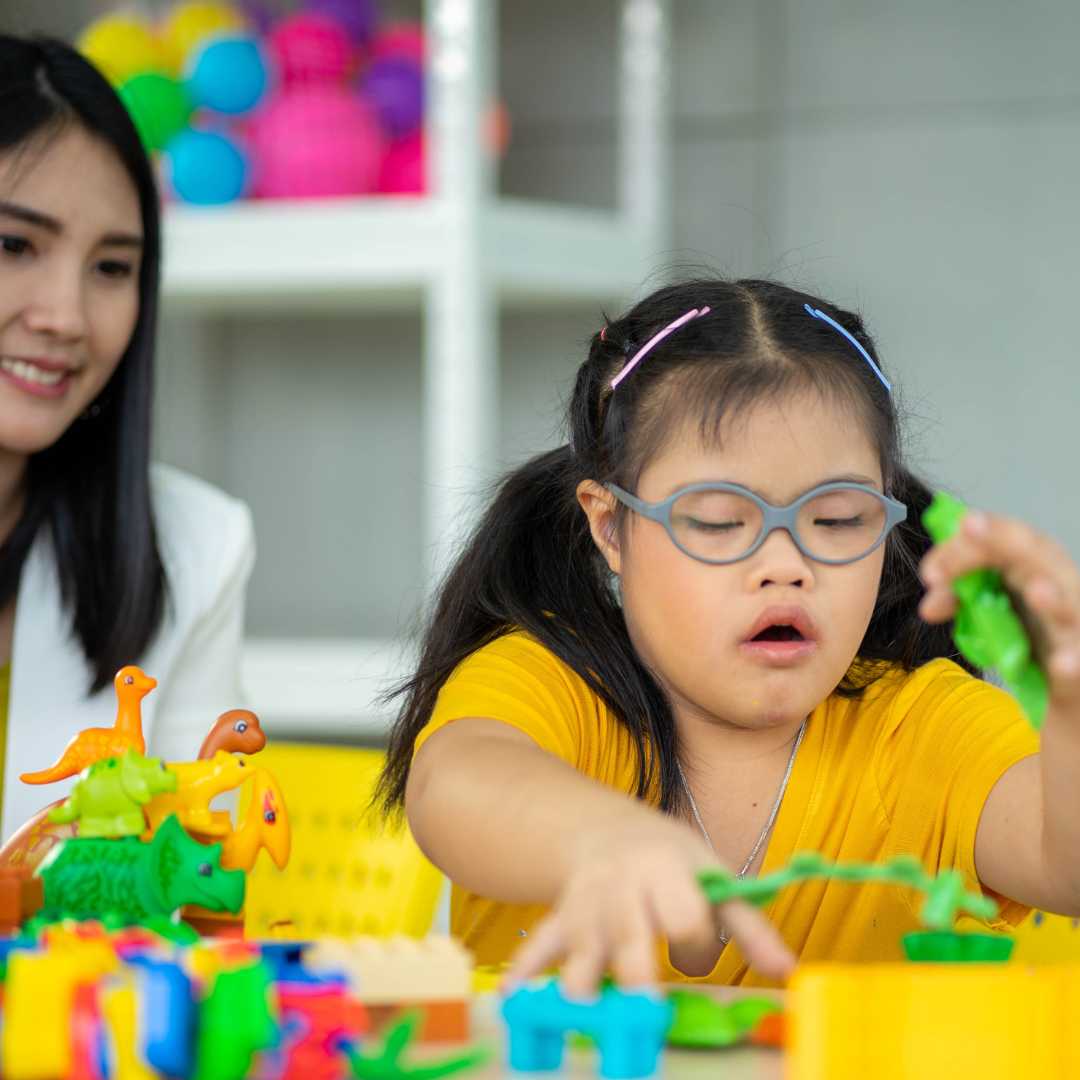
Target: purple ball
x=395 y=86
x=358 y=17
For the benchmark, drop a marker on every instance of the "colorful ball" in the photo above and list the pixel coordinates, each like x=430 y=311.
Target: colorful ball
x=120 y=46
x=310 y=49
x=402 y=170
x=358 y=17
x=206 y=168
x=228 y=75
x=159 y=106
x=315 y=141
x=188 y=25
x=395 y=86
x=399 y=39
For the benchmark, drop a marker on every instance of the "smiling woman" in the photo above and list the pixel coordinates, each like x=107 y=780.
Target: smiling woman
x=105 y=559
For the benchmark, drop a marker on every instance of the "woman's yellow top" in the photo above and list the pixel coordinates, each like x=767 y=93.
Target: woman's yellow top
x=905 y=769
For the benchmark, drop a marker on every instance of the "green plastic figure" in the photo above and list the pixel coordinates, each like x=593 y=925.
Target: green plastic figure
x=386 y=1064
x=702 y=1022
x=132 y=881
x=108 y=798
x=235 y=1023
x=987 y=629
x=946 y=894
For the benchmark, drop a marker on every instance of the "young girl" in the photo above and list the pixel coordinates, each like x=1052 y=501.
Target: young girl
x=693 y=636
x=104 y=561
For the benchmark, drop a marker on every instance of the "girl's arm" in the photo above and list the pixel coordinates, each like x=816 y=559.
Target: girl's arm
x=1028 y=842
x=508 y=820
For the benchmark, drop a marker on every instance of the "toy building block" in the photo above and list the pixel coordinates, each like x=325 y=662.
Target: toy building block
x=236 y=1023
x=390 y=975
x=120 y=1011
x=895 y=1021
x=628 y=1028
x=987 y=630
x=702 y=1022
x=21 y=897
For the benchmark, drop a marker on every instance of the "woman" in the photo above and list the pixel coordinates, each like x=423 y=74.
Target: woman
x=105 y=560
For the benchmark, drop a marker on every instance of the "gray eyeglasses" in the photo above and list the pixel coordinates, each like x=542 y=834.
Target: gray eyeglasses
x=835 y=523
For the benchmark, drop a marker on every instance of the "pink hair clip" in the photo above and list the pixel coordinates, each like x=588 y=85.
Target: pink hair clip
x=682 y=320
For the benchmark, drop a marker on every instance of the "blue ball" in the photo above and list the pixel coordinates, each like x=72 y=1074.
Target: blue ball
x=206 y=168
x=229 y=75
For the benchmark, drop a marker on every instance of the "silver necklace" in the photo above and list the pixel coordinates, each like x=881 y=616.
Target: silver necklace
x=724 y=938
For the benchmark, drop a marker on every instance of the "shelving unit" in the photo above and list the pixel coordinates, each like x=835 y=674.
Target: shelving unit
x=457 y=257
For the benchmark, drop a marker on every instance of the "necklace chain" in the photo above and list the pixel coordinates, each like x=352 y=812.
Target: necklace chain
x=754 y=851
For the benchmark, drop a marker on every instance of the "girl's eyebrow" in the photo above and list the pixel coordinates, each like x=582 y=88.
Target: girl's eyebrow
x=52 y=225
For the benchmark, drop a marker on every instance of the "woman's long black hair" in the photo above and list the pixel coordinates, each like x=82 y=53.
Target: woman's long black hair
x=532 y=562
x=90 y=491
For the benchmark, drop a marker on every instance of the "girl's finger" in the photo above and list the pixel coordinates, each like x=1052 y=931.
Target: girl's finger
x=759 y=940
x=1064 y=671
x=633 y=937
x=583 y=967
x=540 y=951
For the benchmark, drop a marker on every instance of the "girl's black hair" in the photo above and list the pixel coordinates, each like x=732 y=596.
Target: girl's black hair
x=532 y=562
x=90 y=491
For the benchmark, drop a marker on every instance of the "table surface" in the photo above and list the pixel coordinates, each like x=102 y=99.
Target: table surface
x=742 y=1063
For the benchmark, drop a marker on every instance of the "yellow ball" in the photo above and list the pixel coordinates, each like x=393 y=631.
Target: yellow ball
x=120 y=46
x=189 y=24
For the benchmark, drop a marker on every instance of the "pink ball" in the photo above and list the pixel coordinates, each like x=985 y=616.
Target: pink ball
x=309 y=48
x=399 y=39
x=315 y=141
x=403 y=167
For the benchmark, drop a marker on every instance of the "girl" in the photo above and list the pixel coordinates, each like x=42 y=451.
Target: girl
x=104 y=561
x=692 y=635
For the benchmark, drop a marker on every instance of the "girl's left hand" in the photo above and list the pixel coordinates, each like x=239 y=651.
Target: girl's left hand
x=1036 y=569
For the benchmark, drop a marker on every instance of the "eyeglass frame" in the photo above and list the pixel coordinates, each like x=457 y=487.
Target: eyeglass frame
x=772 y=517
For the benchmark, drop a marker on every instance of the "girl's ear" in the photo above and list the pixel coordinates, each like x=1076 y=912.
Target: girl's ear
x=599 y=506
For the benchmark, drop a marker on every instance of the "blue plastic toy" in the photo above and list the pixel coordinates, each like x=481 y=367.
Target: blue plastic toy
x=628 y=1028
x=168 y=1016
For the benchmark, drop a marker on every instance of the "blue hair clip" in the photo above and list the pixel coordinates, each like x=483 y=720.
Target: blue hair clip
x=819 y=314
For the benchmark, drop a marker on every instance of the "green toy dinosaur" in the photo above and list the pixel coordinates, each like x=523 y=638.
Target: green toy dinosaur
x=131 y=881
x=107 y=799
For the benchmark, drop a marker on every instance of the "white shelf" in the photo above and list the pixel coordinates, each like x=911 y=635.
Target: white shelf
x=384 y=252
x=322 y=687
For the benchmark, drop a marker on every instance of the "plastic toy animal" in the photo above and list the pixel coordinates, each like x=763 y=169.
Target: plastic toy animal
x=95 y=744
x=197 y=783
x=131 y=881
x=109 y=797
x=265 y=825
x=237 y=731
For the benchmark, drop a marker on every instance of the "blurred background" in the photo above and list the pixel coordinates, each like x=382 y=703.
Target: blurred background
x=359 y=370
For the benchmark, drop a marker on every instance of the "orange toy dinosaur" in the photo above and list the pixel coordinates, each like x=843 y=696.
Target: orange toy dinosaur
x=265 y=825
x=94 y=744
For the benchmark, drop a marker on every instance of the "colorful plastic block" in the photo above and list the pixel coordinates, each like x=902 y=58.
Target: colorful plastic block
x=120 y=1011
x=169 y=1015
x=235 y=1024
x=318 y=1017
x=897 y=1021
x=628 y=1029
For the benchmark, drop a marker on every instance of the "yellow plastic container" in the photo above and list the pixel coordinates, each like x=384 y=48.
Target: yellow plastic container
x=1047 y=939
x=348 y=873
x=933 y=1021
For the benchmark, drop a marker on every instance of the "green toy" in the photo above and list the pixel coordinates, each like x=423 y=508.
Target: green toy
x=702 y=1022
x=946 y=894
x=107 y=799
x=386 y=1064
x=235 y=1023
x=987 y=629
x=132 y=881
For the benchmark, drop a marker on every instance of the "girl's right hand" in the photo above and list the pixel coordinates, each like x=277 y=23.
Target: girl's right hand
x=625 y=888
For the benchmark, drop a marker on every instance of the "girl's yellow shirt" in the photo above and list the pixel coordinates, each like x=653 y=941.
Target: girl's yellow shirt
x=904 y=769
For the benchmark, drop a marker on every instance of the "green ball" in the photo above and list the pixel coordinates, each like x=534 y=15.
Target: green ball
x=159 y=106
